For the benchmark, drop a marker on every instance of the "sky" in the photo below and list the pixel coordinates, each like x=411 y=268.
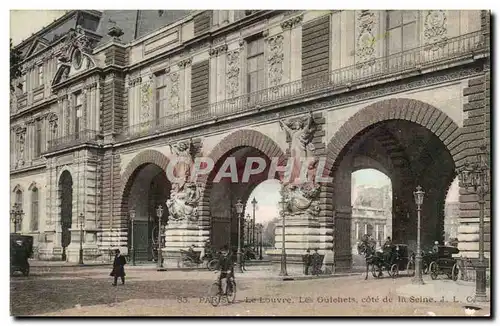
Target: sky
x=23 y=23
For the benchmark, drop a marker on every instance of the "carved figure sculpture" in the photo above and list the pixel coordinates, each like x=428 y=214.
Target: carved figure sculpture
x=301 y=134
x=183 y=205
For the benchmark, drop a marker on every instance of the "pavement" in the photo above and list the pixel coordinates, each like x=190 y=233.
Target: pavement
x=260 y=292
x=443 y=290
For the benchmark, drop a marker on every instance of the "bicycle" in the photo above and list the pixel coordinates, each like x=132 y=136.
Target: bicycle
x=228 y=292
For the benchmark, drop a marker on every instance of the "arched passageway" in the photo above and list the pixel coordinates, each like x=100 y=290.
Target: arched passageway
x=66 y=200
x=399 y=138
x=147 y=188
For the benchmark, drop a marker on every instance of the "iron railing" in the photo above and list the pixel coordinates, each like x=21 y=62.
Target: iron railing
x=83 y=137
x=413 y=60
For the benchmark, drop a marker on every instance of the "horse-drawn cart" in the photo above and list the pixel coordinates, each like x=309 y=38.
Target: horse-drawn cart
x=393 y=259
x=445 y=263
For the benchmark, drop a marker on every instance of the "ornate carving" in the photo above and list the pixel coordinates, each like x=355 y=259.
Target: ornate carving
x=183 y=63
x=76 y=38
x=174 y=91
x=219 y=40
x=21 y=135
x=300 y=132
x=218 y=50
x=291 y=23
x=275 y=60
x=365 y=44
x=183 y=205
x=135 y=81
x=233 y=73
x=185 y=151
x=302 y=199
x=435 y=29
x=146 y=96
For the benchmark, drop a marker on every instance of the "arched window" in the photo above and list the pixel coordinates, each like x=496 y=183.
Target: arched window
x=19 y=202
x=34 y=210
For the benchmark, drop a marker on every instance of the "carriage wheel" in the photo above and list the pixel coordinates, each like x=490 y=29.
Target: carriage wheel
x=454 y=272
x=214 y=295
x=376 y=271
x=425 y=268
x=410 y=268
x=212 y=265
x=394 y=271
x=434 y=270
x=184 y=262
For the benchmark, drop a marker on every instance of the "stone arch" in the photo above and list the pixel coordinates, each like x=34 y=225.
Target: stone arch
x=422 y=114
x=149 y=156
x=33 y=185
x=250 y=138
x=233 y=141
x=412 y=110
x=61 y=171
x=18 y=187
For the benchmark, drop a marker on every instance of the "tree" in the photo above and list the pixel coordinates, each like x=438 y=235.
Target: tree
x=15 y=67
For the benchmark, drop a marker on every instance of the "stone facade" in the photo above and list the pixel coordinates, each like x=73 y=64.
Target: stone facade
x=114 y=110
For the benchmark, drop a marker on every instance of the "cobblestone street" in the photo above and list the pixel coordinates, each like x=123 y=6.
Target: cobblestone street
x=73 y=291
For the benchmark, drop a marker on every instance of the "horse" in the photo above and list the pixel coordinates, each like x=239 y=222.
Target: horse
x=371 y=256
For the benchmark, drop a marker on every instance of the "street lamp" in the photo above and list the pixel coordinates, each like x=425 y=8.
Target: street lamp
x=283 y=271
x=159 y=214
x=239 y=211
x=419 y=199
x=132 y=250
x=254 y=204
x=80 y=252
x=17 y=216
x=476 y=175
x=248 y=222
x=260 y=229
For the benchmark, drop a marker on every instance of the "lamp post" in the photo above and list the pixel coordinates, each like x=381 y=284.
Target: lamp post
x=80 y=252
x=239 y=211
x=260 y=229
x=159 y=214
x=16 y=215
x=476 y=175
x=254 y=204
x=248 y=222
x=283 y=271
x=419 y=199
x=132 y=250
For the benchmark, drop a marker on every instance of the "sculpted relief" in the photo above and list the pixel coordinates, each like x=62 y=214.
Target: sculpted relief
x=435 y=29
x=301 y=192
x=185 y=194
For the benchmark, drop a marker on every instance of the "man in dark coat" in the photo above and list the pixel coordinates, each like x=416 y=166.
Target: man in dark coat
x=307 y=261
x=226 y=266
x=118 y=267
x=316 y=262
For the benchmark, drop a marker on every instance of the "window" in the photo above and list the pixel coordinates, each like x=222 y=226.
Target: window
x=255 y=69
x=78 y=112
x=19 y=202
x=40 y=75
x=161 y=95
x=401 y=30
x=22 y=84
x=38 y=138
x=239 y=14
x=34 y=210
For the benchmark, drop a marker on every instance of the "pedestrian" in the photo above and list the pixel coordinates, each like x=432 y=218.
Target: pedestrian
x=307 y=261
x=118 y=267
x=316 y=261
